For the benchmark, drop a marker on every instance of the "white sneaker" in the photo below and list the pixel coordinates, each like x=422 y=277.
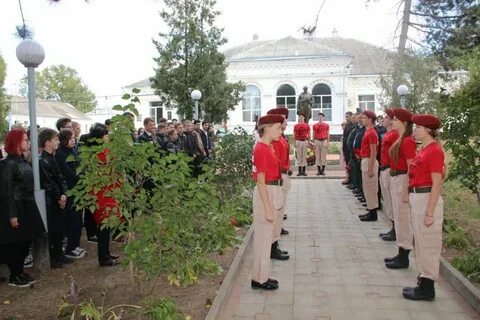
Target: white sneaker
x=80 y=250
x=74 y=254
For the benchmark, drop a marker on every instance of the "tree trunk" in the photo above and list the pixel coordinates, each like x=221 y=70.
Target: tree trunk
x=405 y=23
x=478 y=196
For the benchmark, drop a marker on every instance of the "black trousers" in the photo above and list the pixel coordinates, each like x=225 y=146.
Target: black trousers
x=74 y=226
x=90 y=224
x=103 y=249
x=56 y=225
x=13 y=255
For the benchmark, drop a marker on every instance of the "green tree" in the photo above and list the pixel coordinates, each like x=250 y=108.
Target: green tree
x=4 y=107
x=65 y=83
x=420 y=74
x=189 y=59
x=451 y=28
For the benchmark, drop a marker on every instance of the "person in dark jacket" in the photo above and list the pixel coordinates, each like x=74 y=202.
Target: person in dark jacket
x=148 y=135
x=20 y=221
x=172 y=145
x=67 y=160
x=55 y=188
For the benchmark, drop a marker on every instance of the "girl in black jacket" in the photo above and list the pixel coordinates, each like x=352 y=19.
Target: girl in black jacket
x=20 y=221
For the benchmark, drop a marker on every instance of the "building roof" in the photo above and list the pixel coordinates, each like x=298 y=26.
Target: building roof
x=367 y=58
x=140 y=84
x=47 y=108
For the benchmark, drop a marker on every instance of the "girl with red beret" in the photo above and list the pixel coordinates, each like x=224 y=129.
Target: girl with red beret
x=268 y=199
x=402 y=153
x=301 y=133
x=20 y=221
x=425 y=175
x=282 y=151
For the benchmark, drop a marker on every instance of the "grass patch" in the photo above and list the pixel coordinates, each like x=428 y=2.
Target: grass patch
x=469 y=265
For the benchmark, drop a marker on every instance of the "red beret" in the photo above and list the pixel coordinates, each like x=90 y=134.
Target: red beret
x=280 y=111
x=390 y=113
x=370 y=114
x=321 y=114
x=301 y=113
x=403 y=114
x=426 y=120
x=270 y=119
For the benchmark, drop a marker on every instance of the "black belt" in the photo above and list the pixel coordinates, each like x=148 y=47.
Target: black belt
x=321 y=139
x=302 y=140
x=285 y=171
x=278 y=182
x=384 y=167
x=419 y=189
x=394 y=173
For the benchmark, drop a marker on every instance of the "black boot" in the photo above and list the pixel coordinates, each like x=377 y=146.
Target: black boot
x=323 y=171
x=401 y=262
x=304 y=171
x=276 y=254
x=390 y=259
x=425 y=290
x=284 y=232
x=390 y=235
x=385 y=233
x=319 y=172
x=299 y=174
x=278 y=248
x=371 y=216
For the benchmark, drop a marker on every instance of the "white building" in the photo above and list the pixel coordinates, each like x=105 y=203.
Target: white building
x=342 y=74
x=48 y=112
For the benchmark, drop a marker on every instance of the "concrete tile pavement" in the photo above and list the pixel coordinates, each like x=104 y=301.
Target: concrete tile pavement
x=336 y=268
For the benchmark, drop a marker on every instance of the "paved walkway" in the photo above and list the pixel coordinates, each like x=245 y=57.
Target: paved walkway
x=336 y=268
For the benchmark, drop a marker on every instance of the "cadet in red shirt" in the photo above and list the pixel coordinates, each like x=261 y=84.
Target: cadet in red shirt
x=282 y=151
x=267 y=199
x=321 y=134
x=401 y=155
x=388 y=140
x=425 y=181
x=301 y=133
x=369 y=166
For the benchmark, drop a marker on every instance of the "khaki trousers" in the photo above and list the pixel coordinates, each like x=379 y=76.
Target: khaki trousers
x=401 y=212
x=428 y=241
x=278 y=225
x=301 y=152
x=263 y=231
x=386 y=196
x=321 y=152
x=370 y=184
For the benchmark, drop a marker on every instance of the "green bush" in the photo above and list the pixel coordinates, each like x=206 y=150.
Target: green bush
x=162 y=309
x=469 y=265
x=455 y=237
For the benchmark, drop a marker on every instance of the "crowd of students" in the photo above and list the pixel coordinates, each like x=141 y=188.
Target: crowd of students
x=21 y=223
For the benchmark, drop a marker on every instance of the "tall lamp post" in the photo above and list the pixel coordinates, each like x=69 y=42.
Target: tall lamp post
x=31 y=55
x=196 y=95
x=402 y=91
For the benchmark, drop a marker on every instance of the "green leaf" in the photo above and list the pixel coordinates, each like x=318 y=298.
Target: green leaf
x=126 y=96
x=117 y=107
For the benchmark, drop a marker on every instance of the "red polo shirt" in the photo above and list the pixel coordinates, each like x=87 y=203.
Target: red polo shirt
x=264 y=160
x=301 y=131
x=430 y=159
x=282 y=151
x=407 y=151
x=369 y=138
x=388 y=140
x=320 y=130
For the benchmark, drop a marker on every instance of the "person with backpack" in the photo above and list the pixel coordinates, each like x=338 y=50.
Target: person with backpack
x=20 y=221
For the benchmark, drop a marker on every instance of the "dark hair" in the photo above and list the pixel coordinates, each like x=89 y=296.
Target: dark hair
x=178 y=124
x=162 y=120
x=196 y=121
x=162 y=126
x=108 y=122
x=64 y=136
x=395 y=148
x=62 y=122
x=99 y=130
x=46 y=134
x=171 y=132
x=349 y=113
x=147 y=121
x=205 y=122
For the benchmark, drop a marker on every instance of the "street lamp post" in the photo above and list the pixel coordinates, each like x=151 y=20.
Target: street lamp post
x=31 y=55
x=402 y=91
x=196 y=95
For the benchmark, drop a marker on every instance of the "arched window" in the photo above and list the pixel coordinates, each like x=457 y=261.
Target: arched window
x=322 y=94
x=286 y=98
x=251 y=103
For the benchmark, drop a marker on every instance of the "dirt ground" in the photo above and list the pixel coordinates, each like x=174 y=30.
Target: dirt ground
x=43 y=299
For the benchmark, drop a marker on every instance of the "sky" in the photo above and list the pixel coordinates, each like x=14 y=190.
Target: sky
x=109 y=42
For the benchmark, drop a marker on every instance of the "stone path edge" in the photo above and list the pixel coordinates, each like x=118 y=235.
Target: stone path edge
x=464 y=287
x=223 y=293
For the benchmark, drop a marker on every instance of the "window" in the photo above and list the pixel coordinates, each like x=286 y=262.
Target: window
x=322 y=95
x=366 y=102
x=286 y=98
x=251 y=103
x=156 y=111
x=169 y=115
